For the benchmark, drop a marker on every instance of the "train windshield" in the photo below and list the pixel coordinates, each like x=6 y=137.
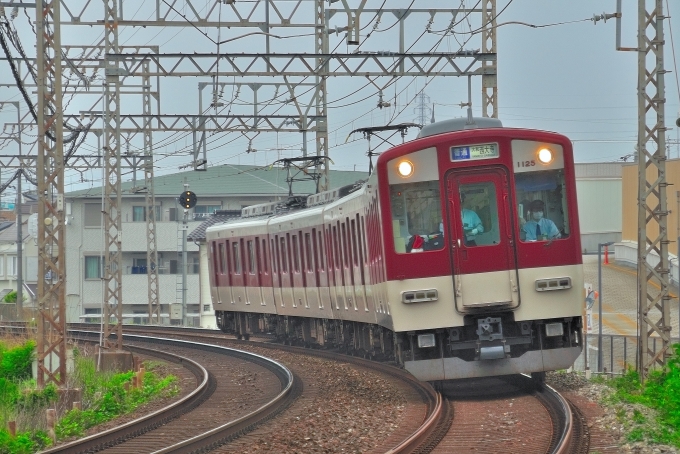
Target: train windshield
x=542 y=205
x=416 y=216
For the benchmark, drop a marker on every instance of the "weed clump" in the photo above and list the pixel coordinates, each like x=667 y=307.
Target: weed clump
x=661 y=393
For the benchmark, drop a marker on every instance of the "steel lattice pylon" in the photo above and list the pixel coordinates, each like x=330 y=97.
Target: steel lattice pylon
x=113 y=273
x=654 y=311
x=51 y=272
x=489 y=81
x=151 y=250
x=321 y=41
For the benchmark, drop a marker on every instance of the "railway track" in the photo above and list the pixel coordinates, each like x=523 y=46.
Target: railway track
x=424 y=435
x=512 y=414
x=181 y=427
x=439 y=431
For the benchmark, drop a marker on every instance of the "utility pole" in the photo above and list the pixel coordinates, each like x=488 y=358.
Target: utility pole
x=489 y=68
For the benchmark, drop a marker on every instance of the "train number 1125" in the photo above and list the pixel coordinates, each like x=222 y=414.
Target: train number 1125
x=526 y=163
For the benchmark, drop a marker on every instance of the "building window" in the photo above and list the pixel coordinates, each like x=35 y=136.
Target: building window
x=93 y=214
x=93 y=267
x=2 y=265
x=12 y=266
x=207 y=209
x=139 y=213
x=206 y=308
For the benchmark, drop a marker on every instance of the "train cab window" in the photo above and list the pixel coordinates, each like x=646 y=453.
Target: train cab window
x=542 y=205
x=479 y=214
x=417 y=222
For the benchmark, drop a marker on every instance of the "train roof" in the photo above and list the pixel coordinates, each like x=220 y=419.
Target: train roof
x=459 y=124
x=257 y=215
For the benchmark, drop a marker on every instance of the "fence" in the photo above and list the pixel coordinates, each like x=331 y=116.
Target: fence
x=618 y=353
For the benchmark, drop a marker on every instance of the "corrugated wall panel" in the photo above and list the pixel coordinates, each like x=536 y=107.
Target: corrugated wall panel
x=599 y=205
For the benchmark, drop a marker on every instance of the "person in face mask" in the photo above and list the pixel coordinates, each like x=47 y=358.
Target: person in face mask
x=539 y=228
x=472 y=224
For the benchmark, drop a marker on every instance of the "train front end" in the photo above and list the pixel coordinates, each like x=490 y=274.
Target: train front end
x=482 y=246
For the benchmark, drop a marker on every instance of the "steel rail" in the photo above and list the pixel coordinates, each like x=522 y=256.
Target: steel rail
x=148 y=422
x=560 y=413
x=209 y=439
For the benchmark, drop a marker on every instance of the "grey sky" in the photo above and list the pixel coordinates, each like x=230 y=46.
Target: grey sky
x=567 y=78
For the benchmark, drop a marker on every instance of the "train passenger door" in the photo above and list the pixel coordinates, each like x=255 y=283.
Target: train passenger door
x=481 y=238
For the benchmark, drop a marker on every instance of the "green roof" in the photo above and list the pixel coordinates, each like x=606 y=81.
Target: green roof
x=230 y=179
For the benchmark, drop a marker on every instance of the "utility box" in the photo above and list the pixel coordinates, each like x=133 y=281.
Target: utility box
x=175 y=312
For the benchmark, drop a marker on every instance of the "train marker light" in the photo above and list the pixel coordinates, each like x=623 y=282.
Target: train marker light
x=545 y=155
x=426 y=341
x=405 y=168
x=554 y=329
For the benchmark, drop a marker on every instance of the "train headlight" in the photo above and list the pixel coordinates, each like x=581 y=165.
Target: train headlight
x=405 y=168
x=545 y=155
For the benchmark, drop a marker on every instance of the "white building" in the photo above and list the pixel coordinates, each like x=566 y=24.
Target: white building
x=599 y=190
x=221 y=188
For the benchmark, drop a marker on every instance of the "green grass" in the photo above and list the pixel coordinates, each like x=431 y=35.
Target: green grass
x=660 y=393
x=105 y=397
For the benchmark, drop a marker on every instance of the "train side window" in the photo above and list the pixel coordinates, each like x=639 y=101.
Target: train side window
x=284 y=256
x=237 y=257
x=222 y=261
x=308 y=251
x=417 y=222
x=345 y=246
x=362 y=224
x=320 y=252
x=251 y=257
x=542 y=208
x=273 y=255
x=336 y=248
x=355 y=252
x=296 y=255
x=479 y=216
x=265 y=263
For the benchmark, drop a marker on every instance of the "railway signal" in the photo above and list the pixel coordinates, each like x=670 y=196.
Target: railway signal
x=187 y=199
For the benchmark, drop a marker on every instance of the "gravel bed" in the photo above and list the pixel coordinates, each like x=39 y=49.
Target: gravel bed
x=344 y=408
x=615 y=420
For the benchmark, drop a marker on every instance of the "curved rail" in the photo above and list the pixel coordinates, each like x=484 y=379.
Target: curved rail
x=437 y=420
x=562 y=419
x=151 y=421
x=220 y=435
x=560 y=413
x=213 y=437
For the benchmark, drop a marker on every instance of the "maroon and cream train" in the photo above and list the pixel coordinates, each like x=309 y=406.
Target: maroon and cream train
x=386 y=267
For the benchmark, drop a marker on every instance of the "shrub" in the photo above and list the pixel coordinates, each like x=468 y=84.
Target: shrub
x=16 y=363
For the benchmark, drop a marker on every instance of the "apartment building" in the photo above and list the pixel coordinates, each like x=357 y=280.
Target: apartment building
x=225 y=188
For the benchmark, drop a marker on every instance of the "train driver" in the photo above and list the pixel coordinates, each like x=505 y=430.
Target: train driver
x=539 y=228
x=472 y=224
